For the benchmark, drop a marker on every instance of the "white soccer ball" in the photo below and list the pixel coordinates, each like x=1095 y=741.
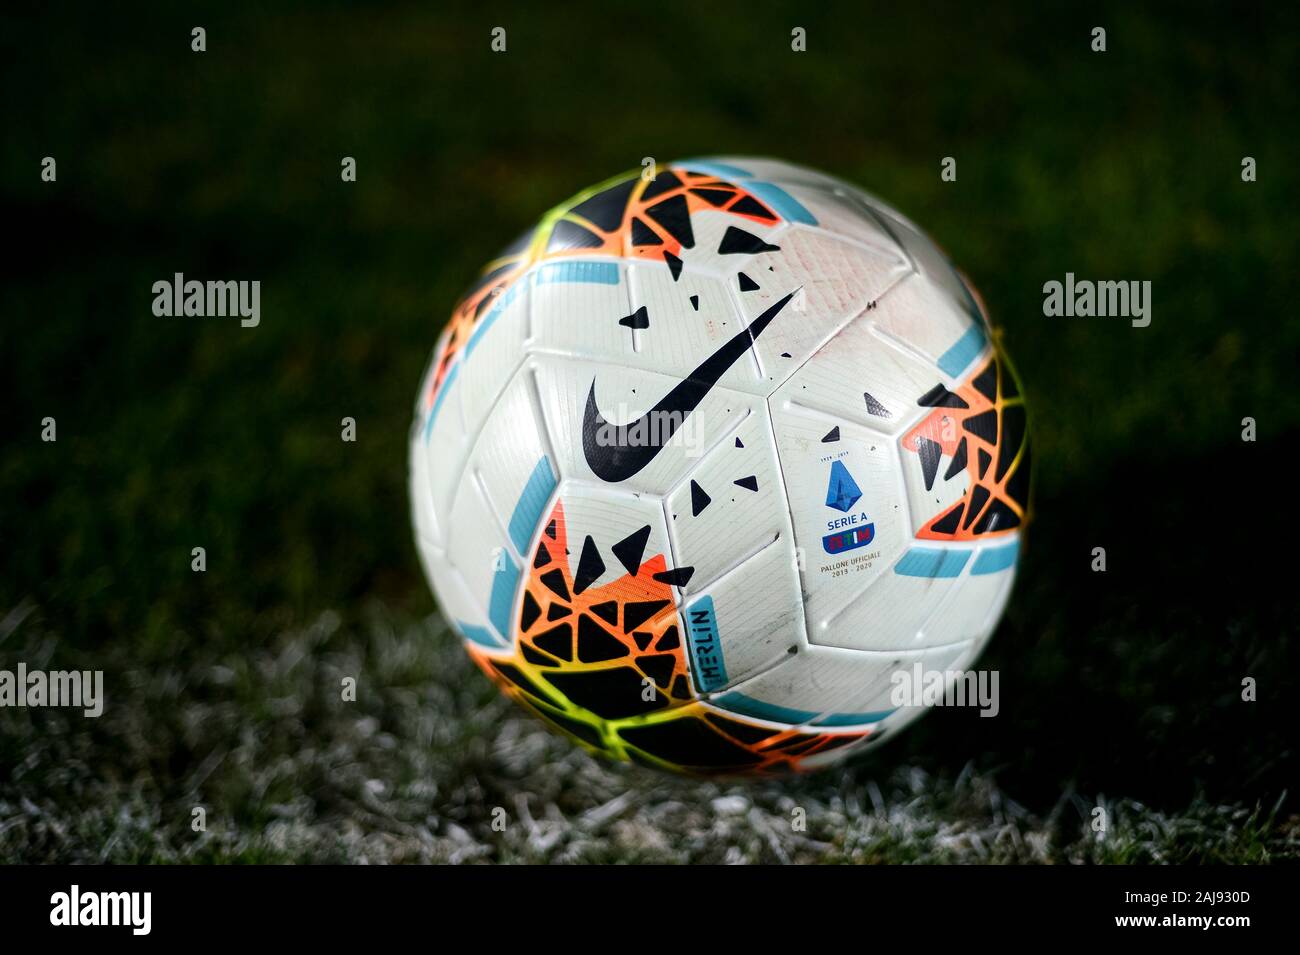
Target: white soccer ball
x=710 y=466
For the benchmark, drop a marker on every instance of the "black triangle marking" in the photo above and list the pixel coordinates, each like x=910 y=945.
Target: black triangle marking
x=661 y=183
x=714 y=197
x=558 y=610
x=832 y=435
x=535 y=657
x=658 y=668
x=748 y=205
x=695 y=302
x=1013 y=433
x=941 y=397
x=570 y=235
x=958 y=461
x=738 y=444
x=746 y=283
x=606 y=209
x=875 y=407
x=638 y=319
x=674 y=264
x=607 y=611
x=642 y=234
x=596 y=644
x=699 y=500
x=748 y=483
x=677 y=577
x=530 y=612
x=978 y=498
x=642 y=639
x=554 y=581
x=669 y=641
x=930 y=452
x=983 y=425
x=630 y=548
x=997 y=517
x=550 y=530
x=639 y=611
x=987 y=382
x=558 y=641
x=542 y=557
x=739 y=242
x=590 y=566
x=675 y=217
x=948 y=523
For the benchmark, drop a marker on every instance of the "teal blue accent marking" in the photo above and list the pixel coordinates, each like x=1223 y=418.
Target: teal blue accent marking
x=786 y=206
x=738 y=702
x=532 y=500
x=480 y=635
x=707 y=665
x=851 y=719
x=932 y=562
x=502 y=304
x=437 y=402
x=993 y=559
x=963 y=353
x=720 y=169
x=502 y=600
x=592 y=273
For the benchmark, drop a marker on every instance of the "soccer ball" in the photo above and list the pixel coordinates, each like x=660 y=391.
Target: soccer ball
x=712 y=460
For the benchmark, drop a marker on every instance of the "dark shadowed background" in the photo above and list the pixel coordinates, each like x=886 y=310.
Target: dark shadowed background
x=1120 y=689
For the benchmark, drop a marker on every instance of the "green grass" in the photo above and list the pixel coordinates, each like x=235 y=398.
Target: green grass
x=418 y=766
x=1119 y=689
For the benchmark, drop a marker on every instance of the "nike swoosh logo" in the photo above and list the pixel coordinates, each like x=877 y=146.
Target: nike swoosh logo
x=606 y=445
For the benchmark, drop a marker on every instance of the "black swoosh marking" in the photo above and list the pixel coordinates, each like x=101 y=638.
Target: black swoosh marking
x=613 y=459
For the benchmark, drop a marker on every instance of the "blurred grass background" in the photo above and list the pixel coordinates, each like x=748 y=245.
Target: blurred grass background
x=1121 y=688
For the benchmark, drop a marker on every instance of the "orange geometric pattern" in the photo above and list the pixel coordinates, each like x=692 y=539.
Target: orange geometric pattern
x=609 y=667
x=628 y=216
x=980 y=428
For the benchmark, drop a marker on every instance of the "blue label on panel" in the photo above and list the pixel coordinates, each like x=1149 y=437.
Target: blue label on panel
x=706 y=649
